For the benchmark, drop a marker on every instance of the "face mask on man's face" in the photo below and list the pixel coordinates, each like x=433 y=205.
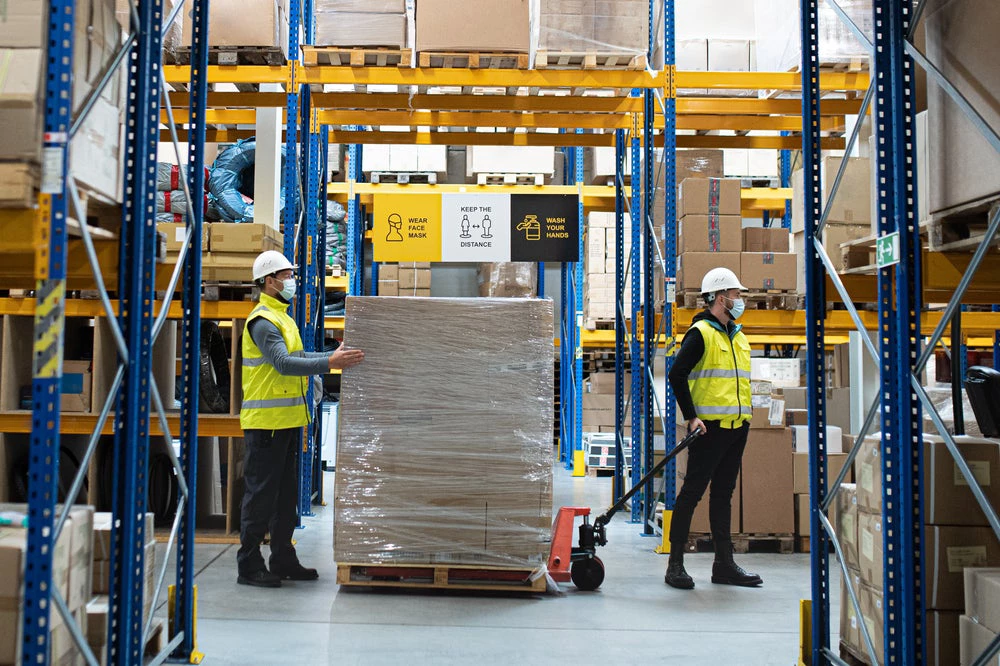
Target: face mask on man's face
x=737 y=308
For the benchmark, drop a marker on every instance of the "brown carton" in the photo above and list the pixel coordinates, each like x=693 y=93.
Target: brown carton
x=768 y=502
x=982 y=597
x=768 y=271
x=475 y=25
x=974 y=638
x=76 y=386
x=388 y=288
x=414 y=278
x=948 y=499
x=176 y=233
x=800 y=464
x=847 y=523
x=871 y=546
x=709 y=196
x=874 y=617
x=772 y=239
x=868 y=474
x=704 y=233
x=692 y=266
x=244 y=238
x=942 y=638
x=850 y=625
x=388 y=272
x=948 y=552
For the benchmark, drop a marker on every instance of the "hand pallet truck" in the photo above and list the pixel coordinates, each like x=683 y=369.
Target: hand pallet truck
x=581 y=564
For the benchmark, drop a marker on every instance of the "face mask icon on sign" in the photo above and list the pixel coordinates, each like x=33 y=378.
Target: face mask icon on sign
x=395 y=234
x=531 y=227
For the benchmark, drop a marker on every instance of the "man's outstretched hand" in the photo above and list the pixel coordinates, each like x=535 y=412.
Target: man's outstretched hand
x=345 y=358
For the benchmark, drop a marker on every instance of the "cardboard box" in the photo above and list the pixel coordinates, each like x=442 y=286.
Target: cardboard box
x=768 y=271
x=96 y=156
x=22 y=25
x=800 y=439
x=767 y=481
x=413 y=278
x=692 y=266
x=728 y=55
x=794 y=396
x=850 y=624
x=948 y=499
x=941 y=635
x=696 y=164
x=77 y=381
x=868 y=474
x=795 y=417
x=700 y=523
x=871 y=546
x=81 y=526
x=982 y=597
x=226 y=266
x=853 y=203
x=388 y=288
x=244 y=238
x=803 y=516
x=761 y=419
x=758 y=239
x=963 y=167
x=949 y=550
x=873 y=613
x=20 y=104
x=974 y=638
x=360 y=29
x=847 y=523
x=604 y=382
x=704 y=233
x=388 y=272
x=800 y=466
x=228 y=24
x=709 y=196
x=176 y=233
x=783 y=373
x=477 y=25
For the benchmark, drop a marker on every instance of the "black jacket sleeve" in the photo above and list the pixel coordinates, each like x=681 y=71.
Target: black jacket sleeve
x=691 y=351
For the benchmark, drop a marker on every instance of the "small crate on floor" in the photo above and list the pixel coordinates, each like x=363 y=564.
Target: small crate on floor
x=441 y=577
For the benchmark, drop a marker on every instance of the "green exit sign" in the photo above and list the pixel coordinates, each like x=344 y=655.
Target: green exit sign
x=887 y=250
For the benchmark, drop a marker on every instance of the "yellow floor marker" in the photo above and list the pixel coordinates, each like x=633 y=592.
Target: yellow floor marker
x=664 y=547
x=580 y=463
x=196 y=656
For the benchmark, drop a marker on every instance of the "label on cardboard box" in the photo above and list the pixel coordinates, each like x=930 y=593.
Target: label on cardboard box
x=867 y=477
x=868 y=545
x=980 y=472
x=847 y=521
x=960 y=557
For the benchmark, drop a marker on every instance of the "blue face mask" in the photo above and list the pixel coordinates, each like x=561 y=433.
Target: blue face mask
x=737 y=309
x=288 y=289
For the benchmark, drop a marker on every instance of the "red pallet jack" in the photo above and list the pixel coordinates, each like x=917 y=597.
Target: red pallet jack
x=581 y=564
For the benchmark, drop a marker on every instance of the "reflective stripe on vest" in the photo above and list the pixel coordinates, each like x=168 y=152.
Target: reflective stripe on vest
x=272 y=401
x=720 y=381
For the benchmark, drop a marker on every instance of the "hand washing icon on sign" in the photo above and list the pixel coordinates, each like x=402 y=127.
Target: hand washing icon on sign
x=465 y=227
x=487 y=225
x=395 y=234
x=531 y=227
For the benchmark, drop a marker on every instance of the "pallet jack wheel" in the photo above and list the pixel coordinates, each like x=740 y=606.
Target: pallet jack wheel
x=588 y=574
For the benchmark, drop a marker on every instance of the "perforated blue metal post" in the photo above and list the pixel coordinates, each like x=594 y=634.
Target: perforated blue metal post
x=136 y=282
x=191 y=333
x=785 y=158
x=669 y=242
x=355 y=223
x=290 y=175
x=565 y=392
x=619 y=484
x=49 y=328
x=638 y=370
x=648 y=496
x=996 y=343
x=815 y=317
x=899 y=319
x=577 y=322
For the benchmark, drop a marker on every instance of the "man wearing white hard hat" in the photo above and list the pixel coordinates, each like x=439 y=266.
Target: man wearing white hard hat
x=711 y=380
x=275 y=375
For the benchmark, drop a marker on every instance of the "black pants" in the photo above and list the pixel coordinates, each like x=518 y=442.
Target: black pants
x=712 y=458
x=270 y=497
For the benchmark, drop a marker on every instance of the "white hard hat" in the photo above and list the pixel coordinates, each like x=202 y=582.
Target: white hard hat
x=270 y=262
x=720 y=279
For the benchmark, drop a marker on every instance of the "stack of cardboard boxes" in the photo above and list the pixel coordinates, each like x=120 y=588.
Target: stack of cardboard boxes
x=405 y=279
x=231 y=248
x=980 y=625
x=601 y=26
x=599 y=403
x=361 y=23
x=474 y=25
x=599 y=265
x=228 y=25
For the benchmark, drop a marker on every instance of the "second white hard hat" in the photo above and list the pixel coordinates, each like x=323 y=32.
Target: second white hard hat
x=720 y=279
x=270 y=262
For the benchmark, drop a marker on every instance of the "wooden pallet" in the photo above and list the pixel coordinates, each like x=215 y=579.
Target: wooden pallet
x=404 y=178
x=962 y=228
x=700 y=542
x=441 y=577
x=157 y=639
x=230 y=55
x=802 y=545
x=857 y=253
x=535 y=179
x=851 y=657
x=343 y=56
x=599 y=324
x=600 y=472
x=755 y=300
x=18 y=183
x=473 y=60
x=588 y=60
x=750 y=182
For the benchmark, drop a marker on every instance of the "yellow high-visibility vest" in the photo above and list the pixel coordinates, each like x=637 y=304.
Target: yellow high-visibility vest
x=720 y=382
x=272 y=401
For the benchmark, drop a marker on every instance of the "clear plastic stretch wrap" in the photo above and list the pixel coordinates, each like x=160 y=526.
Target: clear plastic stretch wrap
x=360 y=23
x=596 y=26
x=445 y=446
x=779 y=42
x=509 y=279
x=940 y=395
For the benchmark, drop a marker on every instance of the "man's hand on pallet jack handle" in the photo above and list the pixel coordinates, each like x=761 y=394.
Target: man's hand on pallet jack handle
x=696 y=425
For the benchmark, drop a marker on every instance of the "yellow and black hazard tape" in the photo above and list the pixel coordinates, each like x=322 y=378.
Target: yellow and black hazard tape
x=50 y=320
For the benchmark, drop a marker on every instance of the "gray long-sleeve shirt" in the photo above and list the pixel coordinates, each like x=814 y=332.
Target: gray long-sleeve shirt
x=268 y=339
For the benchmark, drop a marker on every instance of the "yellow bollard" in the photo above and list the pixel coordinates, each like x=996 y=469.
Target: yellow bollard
x=195 y=657
x=664 y=547
x=580 y=463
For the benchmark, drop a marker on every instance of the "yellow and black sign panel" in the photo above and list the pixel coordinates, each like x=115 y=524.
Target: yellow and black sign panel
x=407 y=227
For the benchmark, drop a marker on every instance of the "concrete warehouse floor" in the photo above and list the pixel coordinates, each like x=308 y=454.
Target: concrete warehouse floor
x=633 y=618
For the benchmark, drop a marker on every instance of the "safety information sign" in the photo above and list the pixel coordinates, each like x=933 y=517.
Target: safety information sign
x=460 y=227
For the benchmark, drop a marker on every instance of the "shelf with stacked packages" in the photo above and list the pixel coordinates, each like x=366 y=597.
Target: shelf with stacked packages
x=913 y=545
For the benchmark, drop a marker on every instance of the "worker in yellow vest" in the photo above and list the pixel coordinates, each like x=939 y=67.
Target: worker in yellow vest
x=275 y=375
x=711 y=381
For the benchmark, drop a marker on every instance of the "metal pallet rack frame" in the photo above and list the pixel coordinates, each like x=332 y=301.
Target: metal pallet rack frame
x=901 y=352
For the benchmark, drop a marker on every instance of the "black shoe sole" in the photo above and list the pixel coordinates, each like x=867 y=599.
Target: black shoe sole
x=241 y=580
x=680 y=586
x=729 y=581
x=298 y=578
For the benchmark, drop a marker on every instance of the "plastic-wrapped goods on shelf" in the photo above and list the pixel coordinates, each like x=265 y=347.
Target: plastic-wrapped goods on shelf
x=176 y=202
x=941 y=397
x=232 y=180
x=169 y=176
x=598 y=27
x=779 y=42
x=359 y=23
x=254 y=25
x=508 y=279
x=336 y=235
x=172 y=37
x=445 y=447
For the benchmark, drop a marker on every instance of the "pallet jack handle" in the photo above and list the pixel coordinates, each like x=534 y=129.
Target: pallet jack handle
x=602 y=520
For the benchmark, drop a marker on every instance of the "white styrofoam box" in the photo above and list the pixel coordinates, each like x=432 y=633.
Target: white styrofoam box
x=782 y=372
x=726 y=19
x=610 y=266
x=604 y=162
x=728 y=55
x=602 y=219
x=692 y=55
x=403 y=158
x=432 y=159
x=800 y=439
x=510 y=159
x=761 y=162
x=375 y=158
x=601 y=281
x=736 y=161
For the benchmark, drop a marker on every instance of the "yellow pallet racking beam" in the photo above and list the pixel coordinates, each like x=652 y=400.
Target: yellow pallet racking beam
x=209 y=425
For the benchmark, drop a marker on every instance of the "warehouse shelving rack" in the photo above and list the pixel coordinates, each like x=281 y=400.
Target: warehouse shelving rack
x=901 y=351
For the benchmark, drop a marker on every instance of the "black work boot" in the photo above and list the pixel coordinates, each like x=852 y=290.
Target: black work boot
x=259 y=578
x=725 y=571
x=294 y=571
x=676 y=576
